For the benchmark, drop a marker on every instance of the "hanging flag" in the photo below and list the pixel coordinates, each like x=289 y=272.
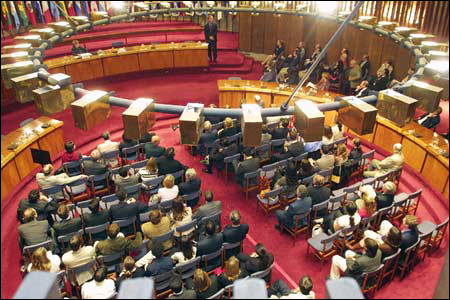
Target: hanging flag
x=14 y=14
x=46 y=11
x=109 y=7
x=63 y=8
x=77 y=7
x=38 y=9
x=54 y=10
x=23 y=13
x=30 y=13
x=101 y=6
x=94 y=6
x=85 y=7
x=5 y=16
x=70 y=8
x=220 y=13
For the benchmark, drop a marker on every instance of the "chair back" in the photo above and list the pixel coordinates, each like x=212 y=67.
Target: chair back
x=318 y=207
x=299 y=218
x=328 y=241
x=178 y=175
x=278 y=143
x=371 y=279
x=191 y=196
x=269 y=170
x=110 y=260
x=235 y=138
x=262 y=149
x=64 y=239
x=70 y=207
x=186 y=227
x=217 y=126
x=51 y=191
x=109 y=200
x=131 y=153
x=187 y=270
x=410 y=253
x=442 y=226
x=77 y=187
x=308 y=180
x=138 y=165
x=110 y=155
x=273 y=194
x=218 y=295
x=74 y=271
x=264 y=274
x=367 y=156
x=126 y=223
x=211 y=256
x=166 y=206
x=154 y=182
x=229 y=247
x=335 y=201
x=230 y=159
x=30 y=249
x=144 y=217
x=284 y=163
x=162 y=281
x=99 y=180
x=216 y=218
x=326 y=173
x=96 y=230
x=133 y=191
x=82 y=207
x=341 y=141
x=391 y=261
x=163 y=238
x=300 y=157
x=72 y=168
x=251 y=175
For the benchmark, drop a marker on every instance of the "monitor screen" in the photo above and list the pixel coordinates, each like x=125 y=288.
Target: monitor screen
x=41 y=157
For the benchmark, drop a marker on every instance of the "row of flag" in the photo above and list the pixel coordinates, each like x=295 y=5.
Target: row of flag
x=25 y=13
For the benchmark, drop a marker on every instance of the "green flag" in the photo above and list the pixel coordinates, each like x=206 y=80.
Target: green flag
x=23 y=13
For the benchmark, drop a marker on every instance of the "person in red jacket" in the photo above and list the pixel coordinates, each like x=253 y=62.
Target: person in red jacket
x=70 y=154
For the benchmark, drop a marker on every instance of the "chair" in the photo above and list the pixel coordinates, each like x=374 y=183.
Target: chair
x=227 y=247
x=277 y=145
x=382 y=214
x=126 y=226
x=108 y=201
x=424 y=245
x=335 y=202
x=326 y=174
x=191 y=226
x=134 y=191
x=73 y=272
x=190 y=199
x=270 y=201
x=390 y=264
x=162 y=283
x=179 y=176
x=73 y=168
x=323 y=246
x=25 y=122
x=209 y=267
x=308 y=180
x=265 y=275
x=298 y=228
x=414 y=201
x=138 y=165
x=263 y=153
x=229 y=161
x=351 y=192
x=96 y=233
x=131 y=153
x=217 y=219
x=100 y=184
x=169 y=236
x=55 y=191
x=111 y=155
x=64 y=239
x=299 y=158
x=408 y=263
x=28 y=250
x=145 y=217
x=187 y=270
x=141 y=252
x=369 y=181
x=217 y=126
x=363 y=163
x=78 y=190
x=315 y=211
x=371 y=281
x=249 y=186
x=269 y=171
x=380 y=180
x=396 y=175
x=110 y=261
x=438 y=232
x=82 y=207
x=218 y=295
x=341 y=141
x=166 y=206
x=235 y=138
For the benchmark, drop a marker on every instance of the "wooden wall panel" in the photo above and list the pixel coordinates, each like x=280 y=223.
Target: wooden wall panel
x=297 y=29
x=284 y=32
x=270 y=33
x=258 y=25
x=309 y=34
x=245 y=32
x=390 y=52
x=362 y=47
x=402 y=62
x=375 y=51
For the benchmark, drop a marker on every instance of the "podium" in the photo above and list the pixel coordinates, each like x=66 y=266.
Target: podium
x=24 y=85
x=139 y=118
x=251 y=125
x=309 y=120
x=358 y=115
x=396 y=107
x=91 y=109
x=191 y=124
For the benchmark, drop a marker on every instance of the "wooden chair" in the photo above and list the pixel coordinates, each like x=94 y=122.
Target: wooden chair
x=371 y=281
x=277 y=145
x=108 y=201
x=82 y=207
x=100 y=184
x=28 y=250
x=96 y=233
x=111 y=261
x=206 y=261
x=414 y=201
x=263 y=153
x=248 y=185
x=227 y=248
x=409 y=260
x=323 y=246
x=162 y=284
x=265 y=275
x=189 y=227
x=127 y=226
x=438 y=233
x=162 y=239
x=390 y=267
x=78 y=190
x=298 y=227
x=131 y=154
x=424 y=245
x=270 y=201
x=63 y=240
x=335 y=202
x=73 y=168
x=187 y=270
x=229 y=162
x=73 y=272
x=55 y=192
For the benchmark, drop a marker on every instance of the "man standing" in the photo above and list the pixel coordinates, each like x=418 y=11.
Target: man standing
x=211 y=38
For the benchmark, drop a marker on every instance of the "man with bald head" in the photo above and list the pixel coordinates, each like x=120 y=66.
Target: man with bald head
x=153 y=149
x=94 y=166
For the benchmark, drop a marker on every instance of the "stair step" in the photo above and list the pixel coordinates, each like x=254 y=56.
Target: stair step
x=246 y=68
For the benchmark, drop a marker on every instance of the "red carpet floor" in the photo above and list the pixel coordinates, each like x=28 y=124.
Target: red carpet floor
x=181 y=88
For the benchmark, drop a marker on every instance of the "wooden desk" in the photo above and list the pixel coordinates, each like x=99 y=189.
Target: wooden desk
x=18 y=163
x=139 y=58
x=419 y=152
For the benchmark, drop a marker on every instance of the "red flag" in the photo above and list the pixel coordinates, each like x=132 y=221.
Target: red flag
x=46 y=11
x=70 y=8
x=30 y=12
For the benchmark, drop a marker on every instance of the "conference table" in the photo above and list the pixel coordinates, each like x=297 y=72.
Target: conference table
x=17 y=161
x=131 y=59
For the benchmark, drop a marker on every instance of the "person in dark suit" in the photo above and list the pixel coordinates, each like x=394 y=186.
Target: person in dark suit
x=431 y=120
x=410 y=235
x=387 y=195
x=208 y=209
x=293 y=148
x=228 y=129
x=33 y=231
x=249 y=164
x=211 y=30
x=94 y=167
x=115 y=244
x=356 y=152
x=362 y=90
x=77 y=49
x=126 y=209
x=176 y=286
x=167 y=164
x=258 y=261
x=209 y=136
x=381 y=82
x=193 y=184
x=40 y=203
x=300 y=206
x=318 y=192
x=365 y=67
x=211 y=243
x=96 y=217
x=148 y=136
x=218 y=156
x=161 y=264
x=281 y=131
x=126 y=143
x=153 y=149
x=67 y=224
x=236 y=232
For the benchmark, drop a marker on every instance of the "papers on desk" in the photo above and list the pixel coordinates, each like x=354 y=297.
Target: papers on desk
x=83 y=55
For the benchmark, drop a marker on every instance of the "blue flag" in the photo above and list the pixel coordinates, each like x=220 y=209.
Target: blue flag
x=85 y=7
x=100 y=6
x=54 y=10
x=38 y=7
x=76 y=5
x=14 y=14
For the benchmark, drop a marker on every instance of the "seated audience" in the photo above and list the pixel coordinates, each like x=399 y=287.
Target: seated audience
x=181 y=215
x=169 y=191
x=327 y=137
x=67 y=224
x=115 y=243
x=344 y=218
x=410 y=235
x=228 y=129
x=158 y=225
x=208 y=209
x=300 y=206
x=33 y=232
x=188 y=252
x=43 y=260
x=124 y=179
x=129 y=271
x=431 y=120
x=208 y=137
x=292 y=147
x=280 y=290
x=381 y=82
x=176 y=286
x=317 y=191
x=46 y=180
x=392 y=163
x=161 y=264
x=205 y=286
x=218 y=155
x=38 y=202
x=386 y=197
x=78 y=256
x=236 y=232
x=211 y=243
x=232 y=272
x=356 y=152
x=126 y=208
x=126 y=143
x=338 y=131
x=150 y=171
x=365 y=67
x=97 y=216
x=108 y=146
x=77 y=49
x=306 y=169
x=153 y=149
x=395 y=83
x=94 y=166
x=258 y=261
x=100 y=287
x=279 y=50
x=289 y=181
x=354 y=265
x=389 y=243
x=270 y=73
x=327 y=161
x=192 y=184
x=387 y=65
x=367 y=205
x=282 y=131
x=167 y=164
x=70 y=154
x=248 y=165
x=362 y=90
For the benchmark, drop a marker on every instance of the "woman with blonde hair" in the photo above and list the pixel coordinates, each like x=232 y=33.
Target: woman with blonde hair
x=129 y=271
x=150 y=171
x=205 y=286
x=232 y=272
x=341 y=155
x=170 y=190
x=367 y=205
x=324 y=83
x=43 y=260
x=228 y=128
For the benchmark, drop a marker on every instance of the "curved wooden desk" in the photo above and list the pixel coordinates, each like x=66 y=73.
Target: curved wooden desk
x=135 y=59
x=18 y=163
x=419 y=152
